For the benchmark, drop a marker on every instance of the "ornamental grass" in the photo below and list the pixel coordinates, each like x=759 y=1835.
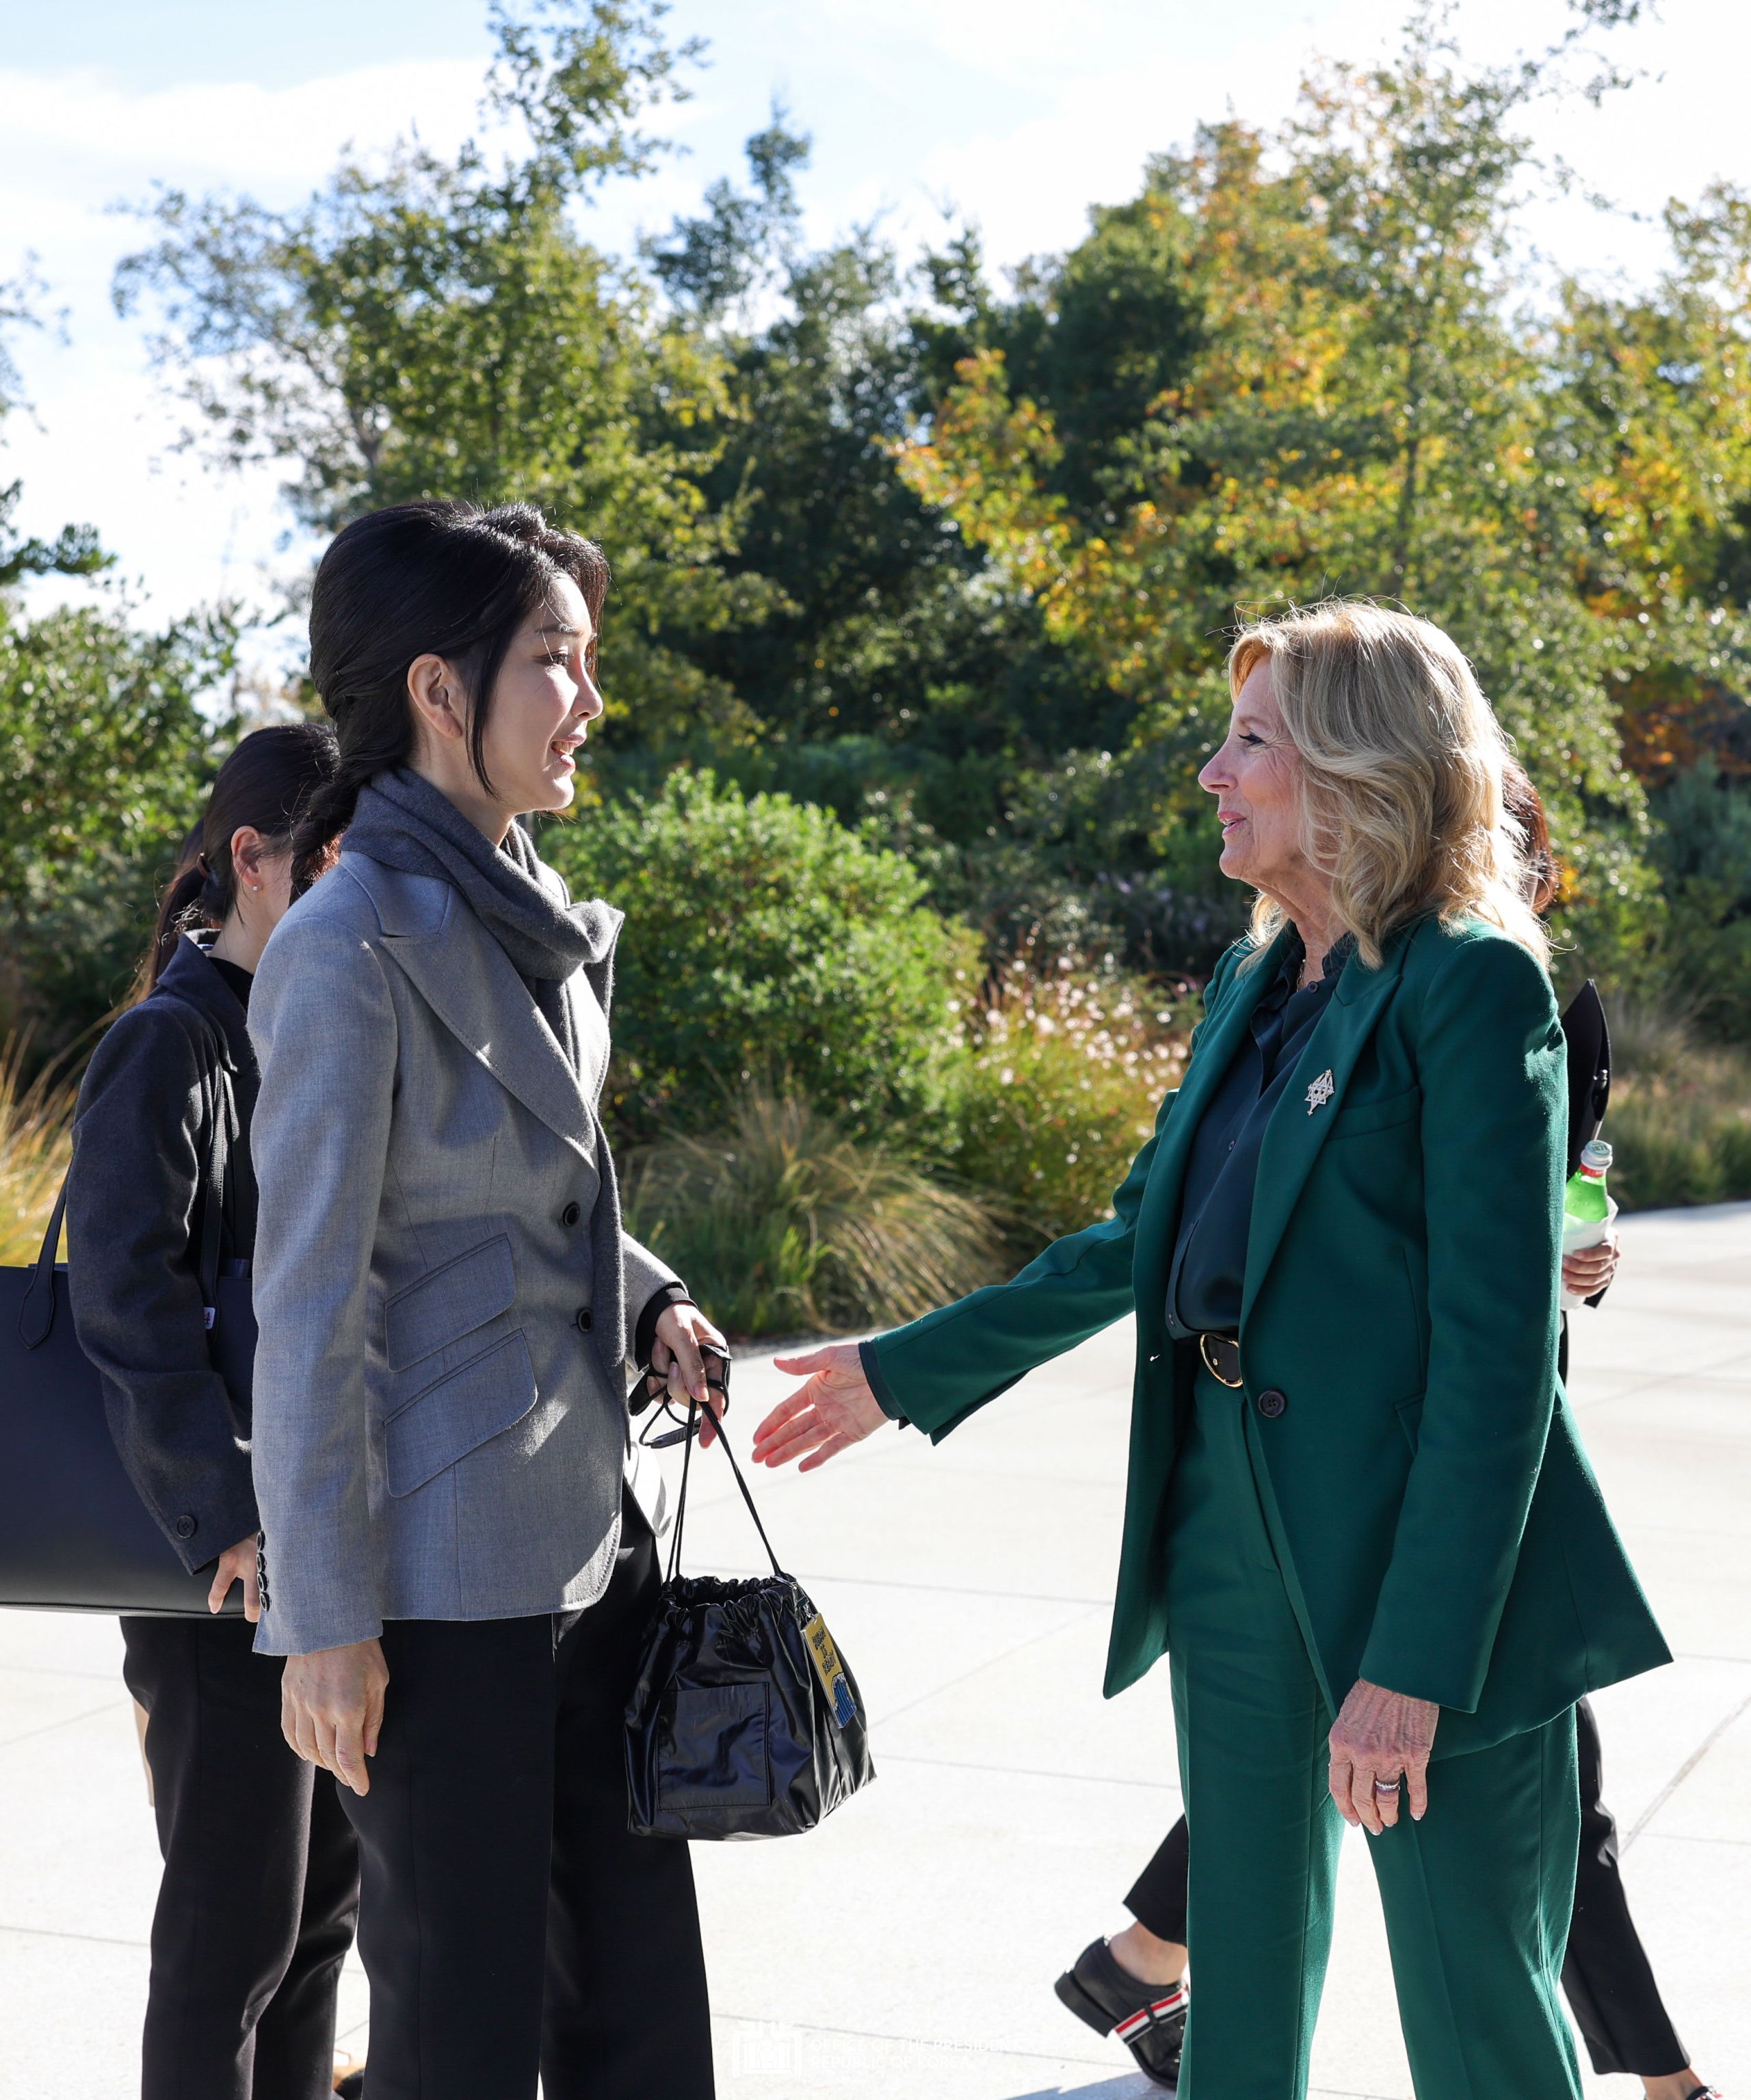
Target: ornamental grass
x=35 y=1143
x=784 y=1223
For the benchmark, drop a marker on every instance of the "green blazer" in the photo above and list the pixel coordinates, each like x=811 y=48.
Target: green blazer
x=1448 y=1537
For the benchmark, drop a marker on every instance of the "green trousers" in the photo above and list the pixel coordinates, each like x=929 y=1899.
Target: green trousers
x=1477 y=1896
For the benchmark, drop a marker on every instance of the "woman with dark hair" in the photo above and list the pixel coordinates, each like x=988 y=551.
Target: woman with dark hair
x=255 y=1911
x=453 y=1562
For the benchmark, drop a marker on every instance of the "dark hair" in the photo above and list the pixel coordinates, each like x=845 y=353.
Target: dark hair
x=1543 y=869
x=265 y=783
x=431 y=578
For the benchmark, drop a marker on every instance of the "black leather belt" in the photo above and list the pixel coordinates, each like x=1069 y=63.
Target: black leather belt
x=1221 y=1359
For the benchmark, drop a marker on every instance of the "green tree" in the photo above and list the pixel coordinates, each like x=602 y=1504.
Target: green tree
x=1362 y=406
x=103 y=745
x=74 y=551
x=895 y=677
x=105 y=748
x=435 y=325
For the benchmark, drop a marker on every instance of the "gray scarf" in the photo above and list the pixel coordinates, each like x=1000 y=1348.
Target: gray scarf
x=405 y=823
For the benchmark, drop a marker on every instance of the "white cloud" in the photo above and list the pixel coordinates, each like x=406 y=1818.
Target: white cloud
x=1021 y=112
x=82 y=125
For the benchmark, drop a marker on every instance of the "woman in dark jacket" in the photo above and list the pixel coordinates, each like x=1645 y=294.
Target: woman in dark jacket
x=256 y=1907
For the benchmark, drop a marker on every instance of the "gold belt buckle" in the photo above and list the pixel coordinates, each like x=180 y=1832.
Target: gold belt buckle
x=1213 y=1347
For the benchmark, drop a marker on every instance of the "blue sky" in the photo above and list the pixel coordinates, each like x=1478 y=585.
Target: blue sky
x=1016 y=113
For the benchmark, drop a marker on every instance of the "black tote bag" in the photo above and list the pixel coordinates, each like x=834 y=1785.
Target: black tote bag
x=74 y=1534
x=745 y=1722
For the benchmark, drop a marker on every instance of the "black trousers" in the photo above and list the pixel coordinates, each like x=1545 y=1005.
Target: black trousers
x=511 y=1922
x=261 y=1874
x=1606 y=1976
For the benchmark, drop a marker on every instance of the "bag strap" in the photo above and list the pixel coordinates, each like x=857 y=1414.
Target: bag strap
x=680 y=1514
x=36 y=1319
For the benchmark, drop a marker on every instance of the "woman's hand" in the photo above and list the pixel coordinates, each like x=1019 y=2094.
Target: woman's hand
x=680 y=1329
x=835 y=1410
x=1588 y=1270
x=237 y=1564
x=1384 y=1736
x=331 y=1709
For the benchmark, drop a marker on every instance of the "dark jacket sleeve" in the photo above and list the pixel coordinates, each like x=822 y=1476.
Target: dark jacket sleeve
x=140 y=1143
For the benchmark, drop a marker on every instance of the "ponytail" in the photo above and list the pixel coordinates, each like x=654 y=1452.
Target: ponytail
x=330 y=811
x=180 y=906
x=265 y=783
x=431 y=578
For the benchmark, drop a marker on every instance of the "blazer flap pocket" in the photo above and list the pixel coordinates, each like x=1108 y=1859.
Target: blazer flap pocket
x=458 y=1414
x=449 y=1302
x=1357 y=1119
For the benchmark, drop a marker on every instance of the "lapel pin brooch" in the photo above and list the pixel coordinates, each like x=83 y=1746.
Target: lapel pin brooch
x=1321 y=1091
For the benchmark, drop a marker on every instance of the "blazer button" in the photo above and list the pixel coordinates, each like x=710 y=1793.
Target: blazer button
x=1270 y=1403
x=584 y=1320
x=570 y=1215
x=185 y=1527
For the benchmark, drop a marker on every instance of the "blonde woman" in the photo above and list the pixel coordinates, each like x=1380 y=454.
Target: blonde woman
x=1360 y=1522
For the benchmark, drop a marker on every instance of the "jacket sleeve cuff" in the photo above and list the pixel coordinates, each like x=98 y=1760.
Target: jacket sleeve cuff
x=878 y=1384
x=276 y=1635
x=645 y=1335
x=200 y=1535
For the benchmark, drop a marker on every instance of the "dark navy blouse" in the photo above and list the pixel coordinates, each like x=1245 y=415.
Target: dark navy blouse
x=1208 y=1274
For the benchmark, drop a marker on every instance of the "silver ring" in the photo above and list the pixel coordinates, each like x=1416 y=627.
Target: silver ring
x=1387 y=1785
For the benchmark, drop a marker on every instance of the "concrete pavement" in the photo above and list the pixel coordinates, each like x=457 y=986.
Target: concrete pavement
x=909 y=1946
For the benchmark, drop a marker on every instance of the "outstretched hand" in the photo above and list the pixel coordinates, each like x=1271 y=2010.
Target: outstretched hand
x=835 y=1410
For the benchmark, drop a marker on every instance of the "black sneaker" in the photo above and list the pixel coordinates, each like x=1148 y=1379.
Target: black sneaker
x=1150 y=2021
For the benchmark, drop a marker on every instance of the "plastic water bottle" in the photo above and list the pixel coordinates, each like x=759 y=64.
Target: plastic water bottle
x=1587 y=1207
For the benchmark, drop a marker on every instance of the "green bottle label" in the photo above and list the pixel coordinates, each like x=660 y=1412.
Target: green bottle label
x=1585 y=1199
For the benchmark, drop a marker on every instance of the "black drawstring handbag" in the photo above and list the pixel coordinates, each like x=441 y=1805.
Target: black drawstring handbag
x=74 y=1534
x=745 y=1721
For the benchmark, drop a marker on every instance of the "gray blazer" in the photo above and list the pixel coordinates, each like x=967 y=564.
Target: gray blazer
x=442 y=1286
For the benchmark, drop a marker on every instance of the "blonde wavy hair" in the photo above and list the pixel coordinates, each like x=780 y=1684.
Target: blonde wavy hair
x=1403 y=763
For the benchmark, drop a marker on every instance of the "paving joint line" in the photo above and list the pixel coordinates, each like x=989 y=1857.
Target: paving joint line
x=1033 y=1640
x=85 y=1938
x=938 y=1589
x=1684 y=1771
x=66 y=1721
x=1030 y=1771
x=915 y=2041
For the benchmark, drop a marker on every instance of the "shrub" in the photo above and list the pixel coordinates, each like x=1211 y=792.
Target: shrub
x=1683 y=1135
x=1063 y=1071
x=35 y=1143
x=763 y=937
x=1702 y=852
x=786 y=1223
x=104 y=749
